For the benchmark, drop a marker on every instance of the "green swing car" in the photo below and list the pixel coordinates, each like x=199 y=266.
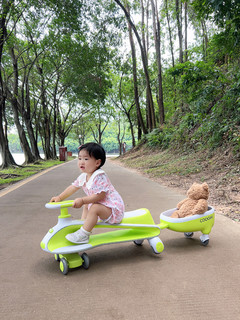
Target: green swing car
x=136 y=226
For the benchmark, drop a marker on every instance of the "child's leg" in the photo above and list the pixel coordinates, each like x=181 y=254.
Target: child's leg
x=85 y=212
x=82 y=235
x=96 y=210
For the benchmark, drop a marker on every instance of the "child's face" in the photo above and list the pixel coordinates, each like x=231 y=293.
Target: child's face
x=86 y=163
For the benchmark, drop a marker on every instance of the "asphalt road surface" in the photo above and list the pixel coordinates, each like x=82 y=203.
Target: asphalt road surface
x=124 y=281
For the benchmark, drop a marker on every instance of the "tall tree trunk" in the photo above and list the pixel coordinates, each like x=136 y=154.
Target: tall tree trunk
x=157 y=40
x=131 y=130
x=135 y=82
x=144 y=58
x=186 y=34
x=7 y=158
x=170 y=33
x=27 y=117
x=150 y=113
x=45 y=125
x=29 y=158
x=119 y=137
x=54 y=128
x=179 y=27
x=171 y=46
x=205 y=38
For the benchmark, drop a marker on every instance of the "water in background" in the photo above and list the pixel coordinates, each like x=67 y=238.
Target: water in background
x=18 y=157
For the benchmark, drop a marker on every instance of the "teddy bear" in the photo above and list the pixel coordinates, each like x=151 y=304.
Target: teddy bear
x=196 y=203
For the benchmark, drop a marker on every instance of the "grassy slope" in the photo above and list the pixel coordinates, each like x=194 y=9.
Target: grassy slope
x=220 y=169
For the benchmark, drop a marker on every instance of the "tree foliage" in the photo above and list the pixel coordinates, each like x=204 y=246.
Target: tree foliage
x=72 y=68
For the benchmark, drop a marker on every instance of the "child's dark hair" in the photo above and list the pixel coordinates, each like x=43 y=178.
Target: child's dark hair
x=95 y=150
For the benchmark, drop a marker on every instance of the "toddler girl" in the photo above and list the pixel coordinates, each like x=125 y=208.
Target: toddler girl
x=101 y=200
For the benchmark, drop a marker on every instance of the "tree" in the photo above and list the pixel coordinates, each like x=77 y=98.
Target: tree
x=152 y=123
x=157 y=41
x=122 y=97
x=120 y=134
x=179 y=28
x=186 y=31
x=142 y=127
x=7 y=159
x=99 y=120
x=226 y=15
x=56 y=61
x=169 y=31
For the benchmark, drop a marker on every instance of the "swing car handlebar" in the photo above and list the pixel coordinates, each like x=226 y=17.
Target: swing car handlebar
x=59 y=205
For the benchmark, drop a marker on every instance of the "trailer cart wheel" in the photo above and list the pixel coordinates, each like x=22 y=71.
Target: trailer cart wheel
x=204 y=239
x=188 y=234
x=205 y=243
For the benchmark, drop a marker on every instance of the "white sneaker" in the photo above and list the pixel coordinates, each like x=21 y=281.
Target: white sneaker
x=80 y=236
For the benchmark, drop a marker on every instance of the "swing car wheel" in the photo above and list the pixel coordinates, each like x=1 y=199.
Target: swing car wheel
x=156 y=245
x=64 y=266
x=138 y=242
x=188 y=234
x=86 y=261
x=56 y=257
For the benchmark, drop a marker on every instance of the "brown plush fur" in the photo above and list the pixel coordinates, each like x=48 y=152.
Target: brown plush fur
x=196 y=203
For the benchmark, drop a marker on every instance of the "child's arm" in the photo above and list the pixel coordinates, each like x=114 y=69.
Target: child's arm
x=79 y=202
x=65 y=194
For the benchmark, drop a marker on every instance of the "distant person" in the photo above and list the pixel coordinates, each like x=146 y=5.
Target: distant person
x=101 y=201
x=124 y=147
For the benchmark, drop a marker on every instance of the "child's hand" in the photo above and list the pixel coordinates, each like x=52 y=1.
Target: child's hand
x=78 y=203
x=56 y=199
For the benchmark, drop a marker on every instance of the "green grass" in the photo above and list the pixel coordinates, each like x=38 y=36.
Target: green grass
x=15 y=174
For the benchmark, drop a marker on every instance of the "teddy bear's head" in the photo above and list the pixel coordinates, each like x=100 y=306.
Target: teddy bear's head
x=198 y=191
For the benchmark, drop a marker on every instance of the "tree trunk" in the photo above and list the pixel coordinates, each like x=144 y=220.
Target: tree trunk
x=45 y=125
x=157 y=40
x=186 y=35
x=136 y=94
x=131 y=129
x=26 y=114
x=144 y=60
x=150 y=113
x=7 y=158
x=205 y=38
x=29 y=158
x=119 y=138
x=171 y=47
x=170 y=33
x=179 y=27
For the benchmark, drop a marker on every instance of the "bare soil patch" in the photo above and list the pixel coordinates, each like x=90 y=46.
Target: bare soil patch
x=221 y=170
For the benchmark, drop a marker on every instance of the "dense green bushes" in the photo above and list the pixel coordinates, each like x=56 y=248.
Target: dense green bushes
x=207 y=113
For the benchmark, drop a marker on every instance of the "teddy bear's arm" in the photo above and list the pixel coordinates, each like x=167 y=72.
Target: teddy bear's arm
x=200 y=207
x=181 y=203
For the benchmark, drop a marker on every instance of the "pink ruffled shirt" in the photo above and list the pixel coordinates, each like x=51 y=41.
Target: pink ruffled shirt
x=98 y=183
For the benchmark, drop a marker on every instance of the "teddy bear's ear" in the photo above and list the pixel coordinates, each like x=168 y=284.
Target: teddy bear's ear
x=205 y=186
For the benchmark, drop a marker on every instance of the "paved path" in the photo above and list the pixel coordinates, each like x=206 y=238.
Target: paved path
x=186 y=281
